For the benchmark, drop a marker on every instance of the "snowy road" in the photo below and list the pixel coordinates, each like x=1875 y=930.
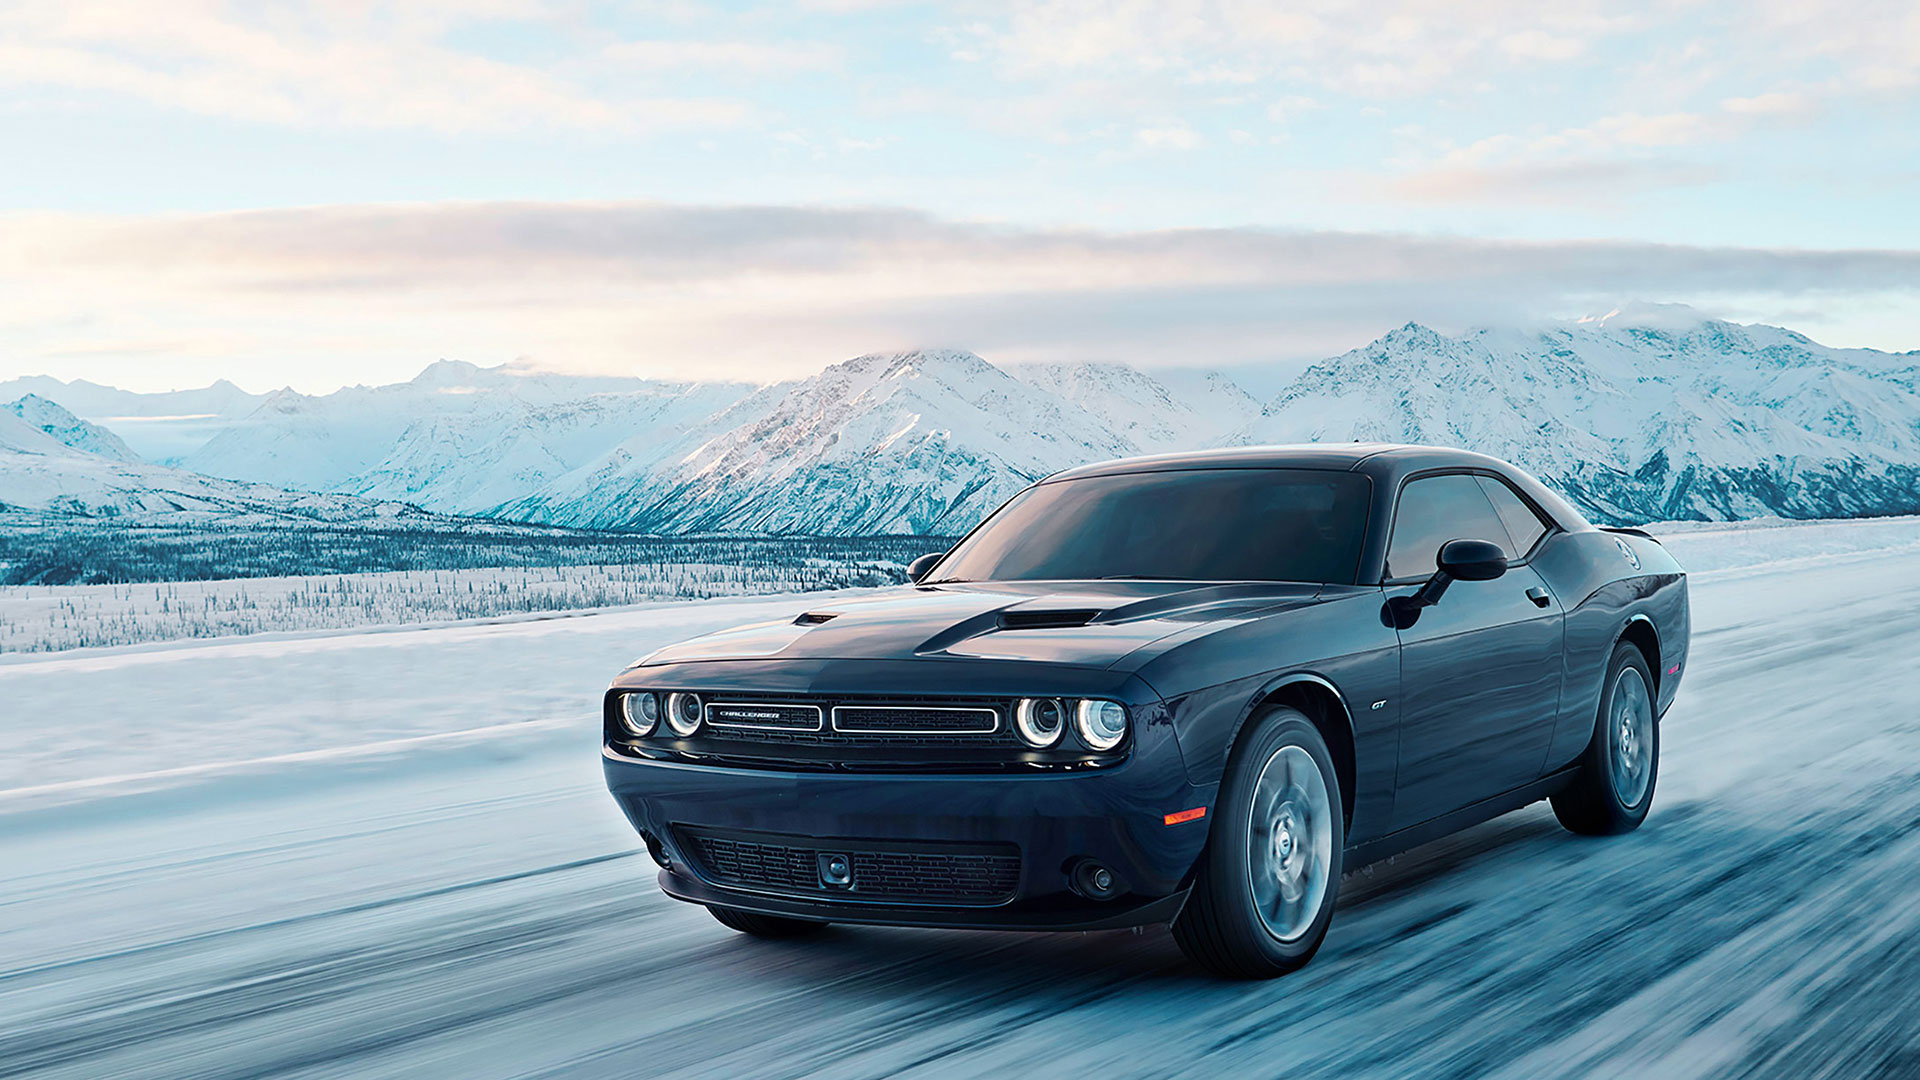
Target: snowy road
x=473 y=906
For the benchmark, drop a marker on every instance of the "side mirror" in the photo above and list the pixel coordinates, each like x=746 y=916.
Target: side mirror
x=1462 y=560
x=1472 y=560
x=918 y=568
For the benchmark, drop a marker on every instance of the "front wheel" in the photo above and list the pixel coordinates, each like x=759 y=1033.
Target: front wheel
x=764 y=926
x=1614 y=787
x=1263 y=897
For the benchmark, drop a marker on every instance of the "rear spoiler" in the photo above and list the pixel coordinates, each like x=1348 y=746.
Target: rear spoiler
x=1631 y=532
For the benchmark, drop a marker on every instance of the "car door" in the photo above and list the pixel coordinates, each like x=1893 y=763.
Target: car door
x=1480 y=671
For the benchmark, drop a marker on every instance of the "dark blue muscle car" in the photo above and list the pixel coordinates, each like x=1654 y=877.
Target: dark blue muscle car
x=1189 y=689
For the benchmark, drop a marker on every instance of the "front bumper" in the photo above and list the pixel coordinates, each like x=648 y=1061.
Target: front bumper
x=1114 y=816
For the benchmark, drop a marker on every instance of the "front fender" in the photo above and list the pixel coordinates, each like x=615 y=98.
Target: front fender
x=1212 y=686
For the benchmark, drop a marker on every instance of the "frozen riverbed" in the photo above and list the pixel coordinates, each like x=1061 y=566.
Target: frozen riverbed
x=388 y=854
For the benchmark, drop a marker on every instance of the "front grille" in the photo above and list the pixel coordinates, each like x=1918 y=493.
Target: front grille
x=913 y=720
x=872 y=722
x=755 y=716
x=962 y=875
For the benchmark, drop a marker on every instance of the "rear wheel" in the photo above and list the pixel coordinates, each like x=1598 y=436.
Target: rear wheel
x=764 y=926
x=1263 y=898
x=1614 y=787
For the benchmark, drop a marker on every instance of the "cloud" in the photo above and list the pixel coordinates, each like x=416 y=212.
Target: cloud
x=1773 y=103
x=1540 y=45
x=1667 y=129
x=1291 y=106
x=1654 y=77
x=744 y=57
x=1587 y=183
x=318 y=64
x=1395 y=48
x=1600 y=161
x=1173 y=137
x=304 y=295
x=1399 y=48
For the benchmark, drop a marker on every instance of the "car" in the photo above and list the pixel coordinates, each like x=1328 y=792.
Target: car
x=1191 y=689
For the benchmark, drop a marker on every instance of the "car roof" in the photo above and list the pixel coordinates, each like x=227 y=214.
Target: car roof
x=1342 y=457
x=1388 y=465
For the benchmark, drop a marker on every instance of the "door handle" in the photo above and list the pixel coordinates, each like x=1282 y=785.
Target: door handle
x=1538 y=595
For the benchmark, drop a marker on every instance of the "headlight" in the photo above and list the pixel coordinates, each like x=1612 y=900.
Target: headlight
x=1101 y=724
x=684 y=713
x=1039 y=721
x=639 y=713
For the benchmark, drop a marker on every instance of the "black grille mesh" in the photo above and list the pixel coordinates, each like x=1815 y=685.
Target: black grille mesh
x=982 y=876
x=867 y=719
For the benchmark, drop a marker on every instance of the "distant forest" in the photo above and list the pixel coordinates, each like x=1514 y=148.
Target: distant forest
x=39 y=551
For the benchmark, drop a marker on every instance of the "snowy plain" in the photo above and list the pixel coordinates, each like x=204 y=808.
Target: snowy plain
x=60 y=618
x=388 y=853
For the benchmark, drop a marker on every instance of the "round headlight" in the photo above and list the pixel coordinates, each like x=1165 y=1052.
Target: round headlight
x=1039 y=721
x=684 y=713
x=1101 y=724
x=639 y=712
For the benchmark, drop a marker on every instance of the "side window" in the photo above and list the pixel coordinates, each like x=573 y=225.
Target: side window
x=1522 y=523
x=1433 y=511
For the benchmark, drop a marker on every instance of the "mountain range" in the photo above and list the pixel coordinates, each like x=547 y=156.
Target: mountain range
x=1648 y=413
x=54 y=463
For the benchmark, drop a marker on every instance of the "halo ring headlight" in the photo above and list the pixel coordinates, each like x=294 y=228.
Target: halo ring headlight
x=1102 y=725
x=684 y=713
x=639 y=712
x=1040 y=721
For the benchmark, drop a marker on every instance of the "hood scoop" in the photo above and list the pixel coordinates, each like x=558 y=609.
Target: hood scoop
x=1047 y=620
x=815 y=618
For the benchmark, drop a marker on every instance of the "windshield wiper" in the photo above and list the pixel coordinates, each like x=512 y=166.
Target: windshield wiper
x=1141 y=577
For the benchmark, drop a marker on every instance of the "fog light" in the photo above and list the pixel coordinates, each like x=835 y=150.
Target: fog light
x=1094 y=881
x=684 y=713
x=639 y=713
x=1039 y=721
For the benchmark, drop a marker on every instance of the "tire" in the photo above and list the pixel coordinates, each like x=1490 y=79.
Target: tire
x=764 y=926
x=1612 y=791
x=1263 y=897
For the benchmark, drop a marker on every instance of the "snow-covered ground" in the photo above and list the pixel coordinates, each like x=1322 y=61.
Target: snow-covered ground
x=1710 y=547
x=389 y=854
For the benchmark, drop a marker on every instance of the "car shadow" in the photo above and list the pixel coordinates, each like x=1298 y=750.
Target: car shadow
x=1435 y=859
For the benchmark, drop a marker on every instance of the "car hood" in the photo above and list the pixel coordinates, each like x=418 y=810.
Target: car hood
x=1093 y=623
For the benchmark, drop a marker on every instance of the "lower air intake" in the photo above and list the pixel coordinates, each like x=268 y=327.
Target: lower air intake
x=969 y=875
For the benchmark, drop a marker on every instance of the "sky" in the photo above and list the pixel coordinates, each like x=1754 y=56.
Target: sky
x=320 y=193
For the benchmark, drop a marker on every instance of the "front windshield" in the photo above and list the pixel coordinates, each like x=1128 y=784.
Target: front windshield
x=1194 y=525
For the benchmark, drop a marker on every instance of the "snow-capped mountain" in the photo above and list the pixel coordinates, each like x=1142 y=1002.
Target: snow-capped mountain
x=55 y=463
x=478 y=462
x=68 y=429
x=1179 y=411
x=917 y=442
x=91 y=401
x=1633 y=418
x=160 y=427
x=457 y=438
x=1650 y=412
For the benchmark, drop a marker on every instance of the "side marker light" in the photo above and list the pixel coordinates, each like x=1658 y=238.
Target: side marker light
x=1194 y=814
